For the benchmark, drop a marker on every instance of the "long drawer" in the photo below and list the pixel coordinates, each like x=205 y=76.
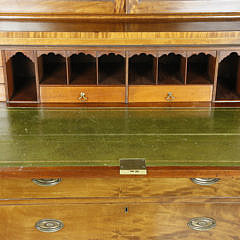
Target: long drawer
x=170 y=93
x=120 y=221
x=77 y=94
x=70 y=187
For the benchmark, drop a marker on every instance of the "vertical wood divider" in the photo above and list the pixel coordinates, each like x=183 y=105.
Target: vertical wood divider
x=126 y=77
x=186 y=70
x=67 y=67
x=37 y=76
x=156 y=70
x=214 y=93
x=238 y=77
x=97 y=69
x=5 y=74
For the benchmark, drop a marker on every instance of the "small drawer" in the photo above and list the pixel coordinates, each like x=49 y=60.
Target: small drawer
x=22 y=188
x=83 y=94
x=120 y=221
x=2 y=93
x=173 y=93
x=1 y=75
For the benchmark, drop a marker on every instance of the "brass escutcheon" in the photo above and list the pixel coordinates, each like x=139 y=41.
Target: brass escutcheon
x=170 y=97
x=49 y=225
x=83 y=97
x=202 y=223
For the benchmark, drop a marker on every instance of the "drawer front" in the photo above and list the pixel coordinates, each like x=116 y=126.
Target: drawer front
x=12 y=188
x=182 y=6
x=120 y=221
x=82 y=94
x=22 y=188
x=2 y=93
x=62 y=6
x=186 y=93
x=1 y=75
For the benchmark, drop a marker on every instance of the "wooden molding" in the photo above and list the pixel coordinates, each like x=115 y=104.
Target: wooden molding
x=176 y=52
x=107 y=52
x=105 y=172
x=56 y=52
x=206 y=52
x=86 y=52
x=29 y=54
x=224 y=54
x=144 y=51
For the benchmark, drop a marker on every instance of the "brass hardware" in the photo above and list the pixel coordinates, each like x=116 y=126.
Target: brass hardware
x=46 y=182
x=49 y=225
x=83 y=97
x=202 y=223
x=133 y=166
x=170 y=97
x=205 y=181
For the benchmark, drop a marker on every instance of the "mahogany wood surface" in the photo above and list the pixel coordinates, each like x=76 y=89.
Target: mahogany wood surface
x=62 y=7
x=64 y=94
x=198 y=93
x=106 y=172
x=18 y=187
x=124 y=221
x=178 y=6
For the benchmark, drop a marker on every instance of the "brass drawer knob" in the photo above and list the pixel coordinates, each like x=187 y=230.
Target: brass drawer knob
x=49 y=225
x=202 y=223
x=46 y=182
x=205 y=181
x=83 y=97
x=170 y=97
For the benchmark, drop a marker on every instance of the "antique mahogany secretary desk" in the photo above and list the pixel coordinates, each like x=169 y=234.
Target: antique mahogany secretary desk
x=119 y=119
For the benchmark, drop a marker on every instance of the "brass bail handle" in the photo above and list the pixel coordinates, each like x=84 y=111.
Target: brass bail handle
x=83 y=97
x=46 y=182
x=170 y=97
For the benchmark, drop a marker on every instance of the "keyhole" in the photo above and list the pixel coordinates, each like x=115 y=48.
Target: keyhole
x=126 y=209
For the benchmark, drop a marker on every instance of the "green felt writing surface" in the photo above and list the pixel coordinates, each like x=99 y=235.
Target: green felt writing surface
x=100 y=137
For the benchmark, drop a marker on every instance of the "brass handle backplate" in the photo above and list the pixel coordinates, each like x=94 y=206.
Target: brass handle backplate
x=202 y=223
x=83 y=97
x=46 y=182
x=170 y=97
x=205 y=181
x=49 y=225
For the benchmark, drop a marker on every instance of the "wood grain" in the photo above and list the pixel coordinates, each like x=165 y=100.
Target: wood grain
x=117 y=187
x=1 y=59
x=113 y=172
x=72 y=94
x=182 y=6
x=119 y=38
x=185 y=93
x=2 y=93
x=153 y=221
x=2 y=80
x=61 y=7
